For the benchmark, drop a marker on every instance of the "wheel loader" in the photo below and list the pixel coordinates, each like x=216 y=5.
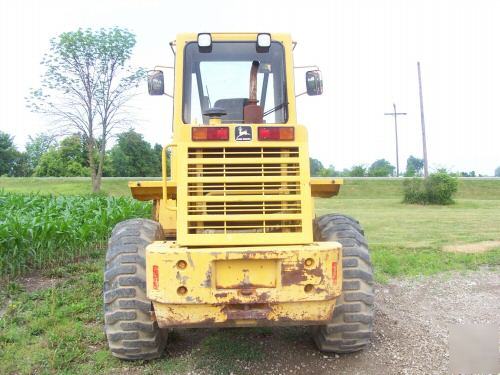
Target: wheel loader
x=233 y=240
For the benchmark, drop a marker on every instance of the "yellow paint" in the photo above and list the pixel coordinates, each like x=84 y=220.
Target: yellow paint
x=241 y=214
x=220 y=279
x=242 y=273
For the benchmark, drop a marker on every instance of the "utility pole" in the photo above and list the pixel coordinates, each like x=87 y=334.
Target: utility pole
x=395 y=114
x=422 y=121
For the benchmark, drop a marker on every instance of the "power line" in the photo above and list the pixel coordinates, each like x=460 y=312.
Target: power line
x=395 y=114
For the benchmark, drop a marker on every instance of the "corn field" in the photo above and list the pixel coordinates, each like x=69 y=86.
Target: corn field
x=42 y=230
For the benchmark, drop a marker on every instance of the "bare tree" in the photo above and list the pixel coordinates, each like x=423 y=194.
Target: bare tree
x=86 y=87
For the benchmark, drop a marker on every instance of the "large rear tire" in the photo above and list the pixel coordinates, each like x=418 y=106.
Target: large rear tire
x=130 y=327
x=351 y=326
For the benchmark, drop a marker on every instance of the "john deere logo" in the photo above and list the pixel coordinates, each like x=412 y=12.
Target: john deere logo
x=243 y=133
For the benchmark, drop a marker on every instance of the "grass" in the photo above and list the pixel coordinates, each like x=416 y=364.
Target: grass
x=406 y=240
x=41 y=230
x=115 y=186
x=354 y=188
x=59 y=329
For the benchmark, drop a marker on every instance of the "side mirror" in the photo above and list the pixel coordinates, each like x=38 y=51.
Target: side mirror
x=314 y=83
x=156 y=83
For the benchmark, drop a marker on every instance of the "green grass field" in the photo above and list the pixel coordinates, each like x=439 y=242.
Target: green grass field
x=58 y=329
x=354 y=188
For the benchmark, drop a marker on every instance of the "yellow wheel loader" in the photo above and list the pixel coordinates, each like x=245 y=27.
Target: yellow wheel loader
x=233 y=240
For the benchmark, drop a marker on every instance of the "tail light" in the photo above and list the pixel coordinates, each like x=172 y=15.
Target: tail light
x=334 y=272
x=156 y=277
x=210 y=133
x=276 y=133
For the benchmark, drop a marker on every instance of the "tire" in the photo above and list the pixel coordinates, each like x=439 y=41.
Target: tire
x=131 y=331
x=351 y=327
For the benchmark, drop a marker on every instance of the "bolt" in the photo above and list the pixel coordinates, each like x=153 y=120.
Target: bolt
x=181 y=290
x=181 y=264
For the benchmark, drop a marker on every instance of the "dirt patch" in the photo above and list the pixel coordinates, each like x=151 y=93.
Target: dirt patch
x=36 y=282
x=471 y=248
x=410 y=331
x=29 y=284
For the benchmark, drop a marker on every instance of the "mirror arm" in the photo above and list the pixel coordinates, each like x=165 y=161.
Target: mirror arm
x=306 y=67
x=159 y=67
x=302 y=93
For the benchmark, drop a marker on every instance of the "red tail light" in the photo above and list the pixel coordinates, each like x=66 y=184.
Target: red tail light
x=156 y=277
x=334 y=272
x=210 y=133
x=276 y=133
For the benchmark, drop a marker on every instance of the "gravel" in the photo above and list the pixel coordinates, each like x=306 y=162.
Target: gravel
x=410 y=332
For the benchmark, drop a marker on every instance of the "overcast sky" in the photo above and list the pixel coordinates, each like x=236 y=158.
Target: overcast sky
x=367 y=51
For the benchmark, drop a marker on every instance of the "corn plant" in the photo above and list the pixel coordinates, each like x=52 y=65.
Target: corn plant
x=37 y=231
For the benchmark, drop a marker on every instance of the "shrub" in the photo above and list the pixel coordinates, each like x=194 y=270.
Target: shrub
x=438 y=188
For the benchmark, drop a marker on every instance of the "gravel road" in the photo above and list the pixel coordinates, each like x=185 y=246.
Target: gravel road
x=411 y=325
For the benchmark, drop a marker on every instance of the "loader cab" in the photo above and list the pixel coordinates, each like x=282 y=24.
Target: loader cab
x=233 y=78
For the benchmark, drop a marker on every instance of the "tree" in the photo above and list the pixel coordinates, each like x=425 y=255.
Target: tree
x=8 y=154
x=316 y=167
x=329 y=172
x=414 y=166
x=157 y=150
x=20 y=166
x=68 y=159
x=50 y=164
x=133 y=156
x=72 y=149
x=381 y=168
x=35 y=148
x=468 y=174
x=358 y=171
x=86 y=86
x=497 y=172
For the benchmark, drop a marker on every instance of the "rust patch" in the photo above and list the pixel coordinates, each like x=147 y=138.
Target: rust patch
x=220 y=295
x=292 y=273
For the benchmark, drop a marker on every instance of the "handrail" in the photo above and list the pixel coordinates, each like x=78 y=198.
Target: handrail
x=164 y=171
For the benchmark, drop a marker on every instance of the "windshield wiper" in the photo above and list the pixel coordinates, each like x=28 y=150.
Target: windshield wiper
x=277 y=108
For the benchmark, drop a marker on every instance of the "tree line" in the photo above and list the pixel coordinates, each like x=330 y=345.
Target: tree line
x=382 y=168
x=45 y=156
x=379 y=168
x=133 y=156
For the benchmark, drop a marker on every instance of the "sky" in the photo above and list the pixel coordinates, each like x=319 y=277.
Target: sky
x=367 y=51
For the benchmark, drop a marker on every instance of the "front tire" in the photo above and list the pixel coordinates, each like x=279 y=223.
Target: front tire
x=351 y=326
x=131 y=331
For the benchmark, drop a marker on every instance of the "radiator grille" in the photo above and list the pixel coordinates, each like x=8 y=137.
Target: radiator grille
x=263 y=226
x=243 y=152
x=243 y=208
x=232 y=170
x=243 y=190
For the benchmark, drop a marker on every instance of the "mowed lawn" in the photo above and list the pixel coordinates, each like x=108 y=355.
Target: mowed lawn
x=56 y=326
